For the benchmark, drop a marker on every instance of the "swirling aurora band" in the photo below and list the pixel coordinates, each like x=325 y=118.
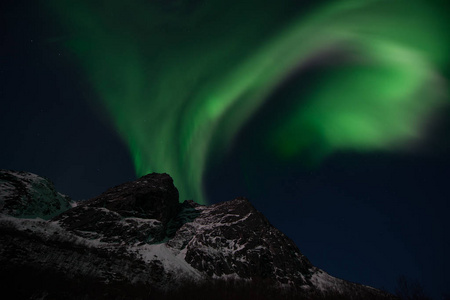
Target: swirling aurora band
x=180 y=78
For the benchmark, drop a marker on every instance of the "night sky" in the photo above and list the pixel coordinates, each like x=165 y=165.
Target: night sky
x=332 y=119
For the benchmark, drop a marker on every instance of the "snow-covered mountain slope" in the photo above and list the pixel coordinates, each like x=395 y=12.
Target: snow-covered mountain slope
x=232 y=239
x=27 y=195
x=137 y=236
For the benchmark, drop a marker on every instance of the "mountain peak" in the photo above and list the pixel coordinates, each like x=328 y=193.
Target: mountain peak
x=27 y=195
x=152 y=196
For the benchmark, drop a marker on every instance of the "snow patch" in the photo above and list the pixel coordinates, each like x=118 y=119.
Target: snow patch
x=170 y=261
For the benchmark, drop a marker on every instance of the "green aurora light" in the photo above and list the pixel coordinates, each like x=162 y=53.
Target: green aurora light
x=180 y=78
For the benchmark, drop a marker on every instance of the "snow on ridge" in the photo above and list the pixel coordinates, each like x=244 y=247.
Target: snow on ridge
x=45 y=229
x=171 y=262
x=325 y=282
x=51 y=230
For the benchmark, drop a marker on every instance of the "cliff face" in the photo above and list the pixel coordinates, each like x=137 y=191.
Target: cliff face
x=137 y=236
x=133 y=212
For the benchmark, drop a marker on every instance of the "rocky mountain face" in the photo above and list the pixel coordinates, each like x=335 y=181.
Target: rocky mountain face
x=27 y=195
x=136 y=241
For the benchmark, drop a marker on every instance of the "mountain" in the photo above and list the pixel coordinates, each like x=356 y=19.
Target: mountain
x=136 y=241
x=27 y=195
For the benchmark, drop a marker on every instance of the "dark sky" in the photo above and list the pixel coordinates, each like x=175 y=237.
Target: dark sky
x=367 y=218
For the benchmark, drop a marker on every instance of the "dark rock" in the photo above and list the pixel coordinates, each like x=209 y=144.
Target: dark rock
x=133 y=212
x=152 y=197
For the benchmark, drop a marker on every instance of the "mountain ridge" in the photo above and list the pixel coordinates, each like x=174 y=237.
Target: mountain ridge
x=138 y=236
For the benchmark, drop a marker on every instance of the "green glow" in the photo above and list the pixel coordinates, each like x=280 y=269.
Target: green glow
x=180 y=78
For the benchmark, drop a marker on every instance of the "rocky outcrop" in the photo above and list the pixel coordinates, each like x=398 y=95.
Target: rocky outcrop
x=133 y=212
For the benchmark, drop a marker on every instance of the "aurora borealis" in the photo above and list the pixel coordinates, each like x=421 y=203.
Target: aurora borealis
x=179 y=79
x=311 y=134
